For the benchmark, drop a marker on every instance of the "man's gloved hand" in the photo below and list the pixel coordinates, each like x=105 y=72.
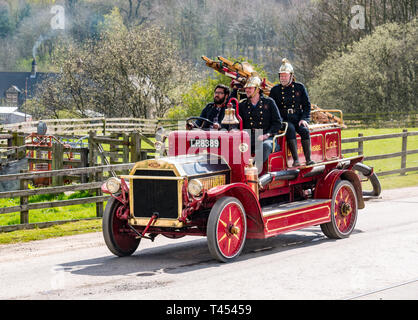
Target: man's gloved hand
x=216 y=126
x=303 y=123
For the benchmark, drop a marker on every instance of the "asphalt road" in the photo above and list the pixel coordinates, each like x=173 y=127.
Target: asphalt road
x=378 y=261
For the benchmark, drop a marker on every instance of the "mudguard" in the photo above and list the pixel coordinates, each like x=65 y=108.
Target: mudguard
x=249 y=200
x=324 y=187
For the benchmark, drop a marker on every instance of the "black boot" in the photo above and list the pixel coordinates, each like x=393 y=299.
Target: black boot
x=306 y=145
x=293 y=147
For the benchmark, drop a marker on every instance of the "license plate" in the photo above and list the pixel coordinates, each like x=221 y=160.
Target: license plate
x=204 y=143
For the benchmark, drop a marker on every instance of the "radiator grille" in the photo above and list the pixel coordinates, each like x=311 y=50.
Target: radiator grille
x=155 y=196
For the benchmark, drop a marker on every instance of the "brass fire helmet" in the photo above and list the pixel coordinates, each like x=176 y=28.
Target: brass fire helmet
x=253 y=81
x=286 y=67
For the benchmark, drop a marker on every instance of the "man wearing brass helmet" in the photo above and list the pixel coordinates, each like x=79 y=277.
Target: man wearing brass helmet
x=259 y=112
x=293 y=102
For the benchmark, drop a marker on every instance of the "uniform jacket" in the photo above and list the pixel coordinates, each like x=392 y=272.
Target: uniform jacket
x=210 y=112
x=264 y=115
x=292 y=101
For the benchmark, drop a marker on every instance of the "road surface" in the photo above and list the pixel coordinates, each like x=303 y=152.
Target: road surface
x=378 y=261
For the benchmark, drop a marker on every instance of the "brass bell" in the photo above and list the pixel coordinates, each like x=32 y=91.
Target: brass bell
x=230 y=117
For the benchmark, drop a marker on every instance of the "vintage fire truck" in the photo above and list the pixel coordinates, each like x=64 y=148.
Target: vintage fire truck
x=208 y=185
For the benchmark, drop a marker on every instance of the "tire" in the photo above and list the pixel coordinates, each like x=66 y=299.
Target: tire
x=344 y=211
x=365 y=171
x=119 y=243
x=226 y=229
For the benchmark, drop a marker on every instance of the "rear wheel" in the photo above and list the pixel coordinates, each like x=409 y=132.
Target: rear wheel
x=344 y=210
x=226 y=229
x=117 y=236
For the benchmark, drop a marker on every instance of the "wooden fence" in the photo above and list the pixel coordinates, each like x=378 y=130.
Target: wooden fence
x=402 y=154
x=97 y=174
x=381 y=120
x=24 y=193
x=103 y=125
x=11 y=147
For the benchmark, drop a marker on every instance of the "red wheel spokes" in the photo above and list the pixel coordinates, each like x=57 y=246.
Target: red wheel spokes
x=230 y=230
x=344 y=207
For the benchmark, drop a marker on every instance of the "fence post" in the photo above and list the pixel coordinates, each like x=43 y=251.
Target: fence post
x=135 y=146
x=99 y=205
x=125 y=148
x=57 y=162
x=24 y=200
x=104 y=126
x=404 y=149
x=84 y=153
x=360 y=145
x=113 y=148
x=92 y=153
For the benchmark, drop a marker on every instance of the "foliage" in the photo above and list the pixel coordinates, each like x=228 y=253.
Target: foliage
x=305 y=31
x=201 y=92
x=377 y=74
x=126 y=73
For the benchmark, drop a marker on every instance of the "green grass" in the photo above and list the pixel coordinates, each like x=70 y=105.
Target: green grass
x=67 y=229
x=89 y=210
x=378 y=147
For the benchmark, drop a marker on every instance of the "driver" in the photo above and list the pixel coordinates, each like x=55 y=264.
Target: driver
x=215 y=111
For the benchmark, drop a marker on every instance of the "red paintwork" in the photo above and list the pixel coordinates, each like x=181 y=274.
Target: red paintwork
x=297 y=219
x=344 y=223
x=235 y=149
x=179 y=144
x=247 y=197
x=228 y=242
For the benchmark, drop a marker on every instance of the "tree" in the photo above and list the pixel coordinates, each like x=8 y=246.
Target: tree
x=5 y=21
x=127 y=73
x=201 y=92
x=377 y=74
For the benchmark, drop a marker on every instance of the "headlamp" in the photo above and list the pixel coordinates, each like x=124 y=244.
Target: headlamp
x=195 y=187
x=113 y=185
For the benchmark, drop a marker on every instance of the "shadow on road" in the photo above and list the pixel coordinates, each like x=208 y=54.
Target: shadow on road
x=187 y=256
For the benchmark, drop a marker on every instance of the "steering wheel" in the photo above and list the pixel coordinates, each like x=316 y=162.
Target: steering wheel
x=190 y=123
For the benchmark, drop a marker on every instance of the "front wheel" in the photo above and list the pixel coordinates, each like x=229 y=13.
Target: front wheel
x=344 y=210
x=226 y=229
x=117 y=236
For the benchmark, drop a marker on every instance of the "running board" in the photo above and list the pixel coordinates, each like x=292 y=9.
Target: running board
x=295 y=215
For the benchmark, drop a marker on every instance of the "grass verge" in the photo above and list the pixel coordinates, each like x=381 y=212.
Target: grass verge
x=67 y=229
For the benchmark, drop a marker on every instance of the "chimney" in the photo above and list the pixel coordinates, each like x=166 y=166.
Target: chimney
x=33 y=72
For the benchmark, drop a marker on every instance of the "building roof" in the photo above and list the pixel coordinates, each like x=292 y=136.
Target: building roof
x=8 y=109
x=18 y=79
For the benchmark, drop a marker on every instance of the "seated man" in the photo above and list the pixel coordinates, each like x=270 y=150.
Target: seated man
x=293 y=102
x=215 y=111
x=259 y=112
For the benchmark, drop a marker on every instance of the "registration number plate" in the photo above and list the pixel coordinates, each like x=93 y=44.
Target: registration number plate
x=204 y=143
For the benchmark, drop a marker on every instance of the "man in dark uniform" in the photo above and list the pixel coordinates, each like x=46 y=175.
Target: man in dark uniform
x=259 y=112
x=293 y=102
x=215 y=111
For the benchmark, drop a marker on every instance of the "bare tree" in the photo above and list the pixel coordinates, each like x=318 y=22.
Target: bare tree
x=132 y=73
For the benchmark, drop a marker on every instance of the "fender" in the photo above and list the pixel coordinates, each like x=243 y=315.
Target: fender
x=325 y=186
x=249 y=200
